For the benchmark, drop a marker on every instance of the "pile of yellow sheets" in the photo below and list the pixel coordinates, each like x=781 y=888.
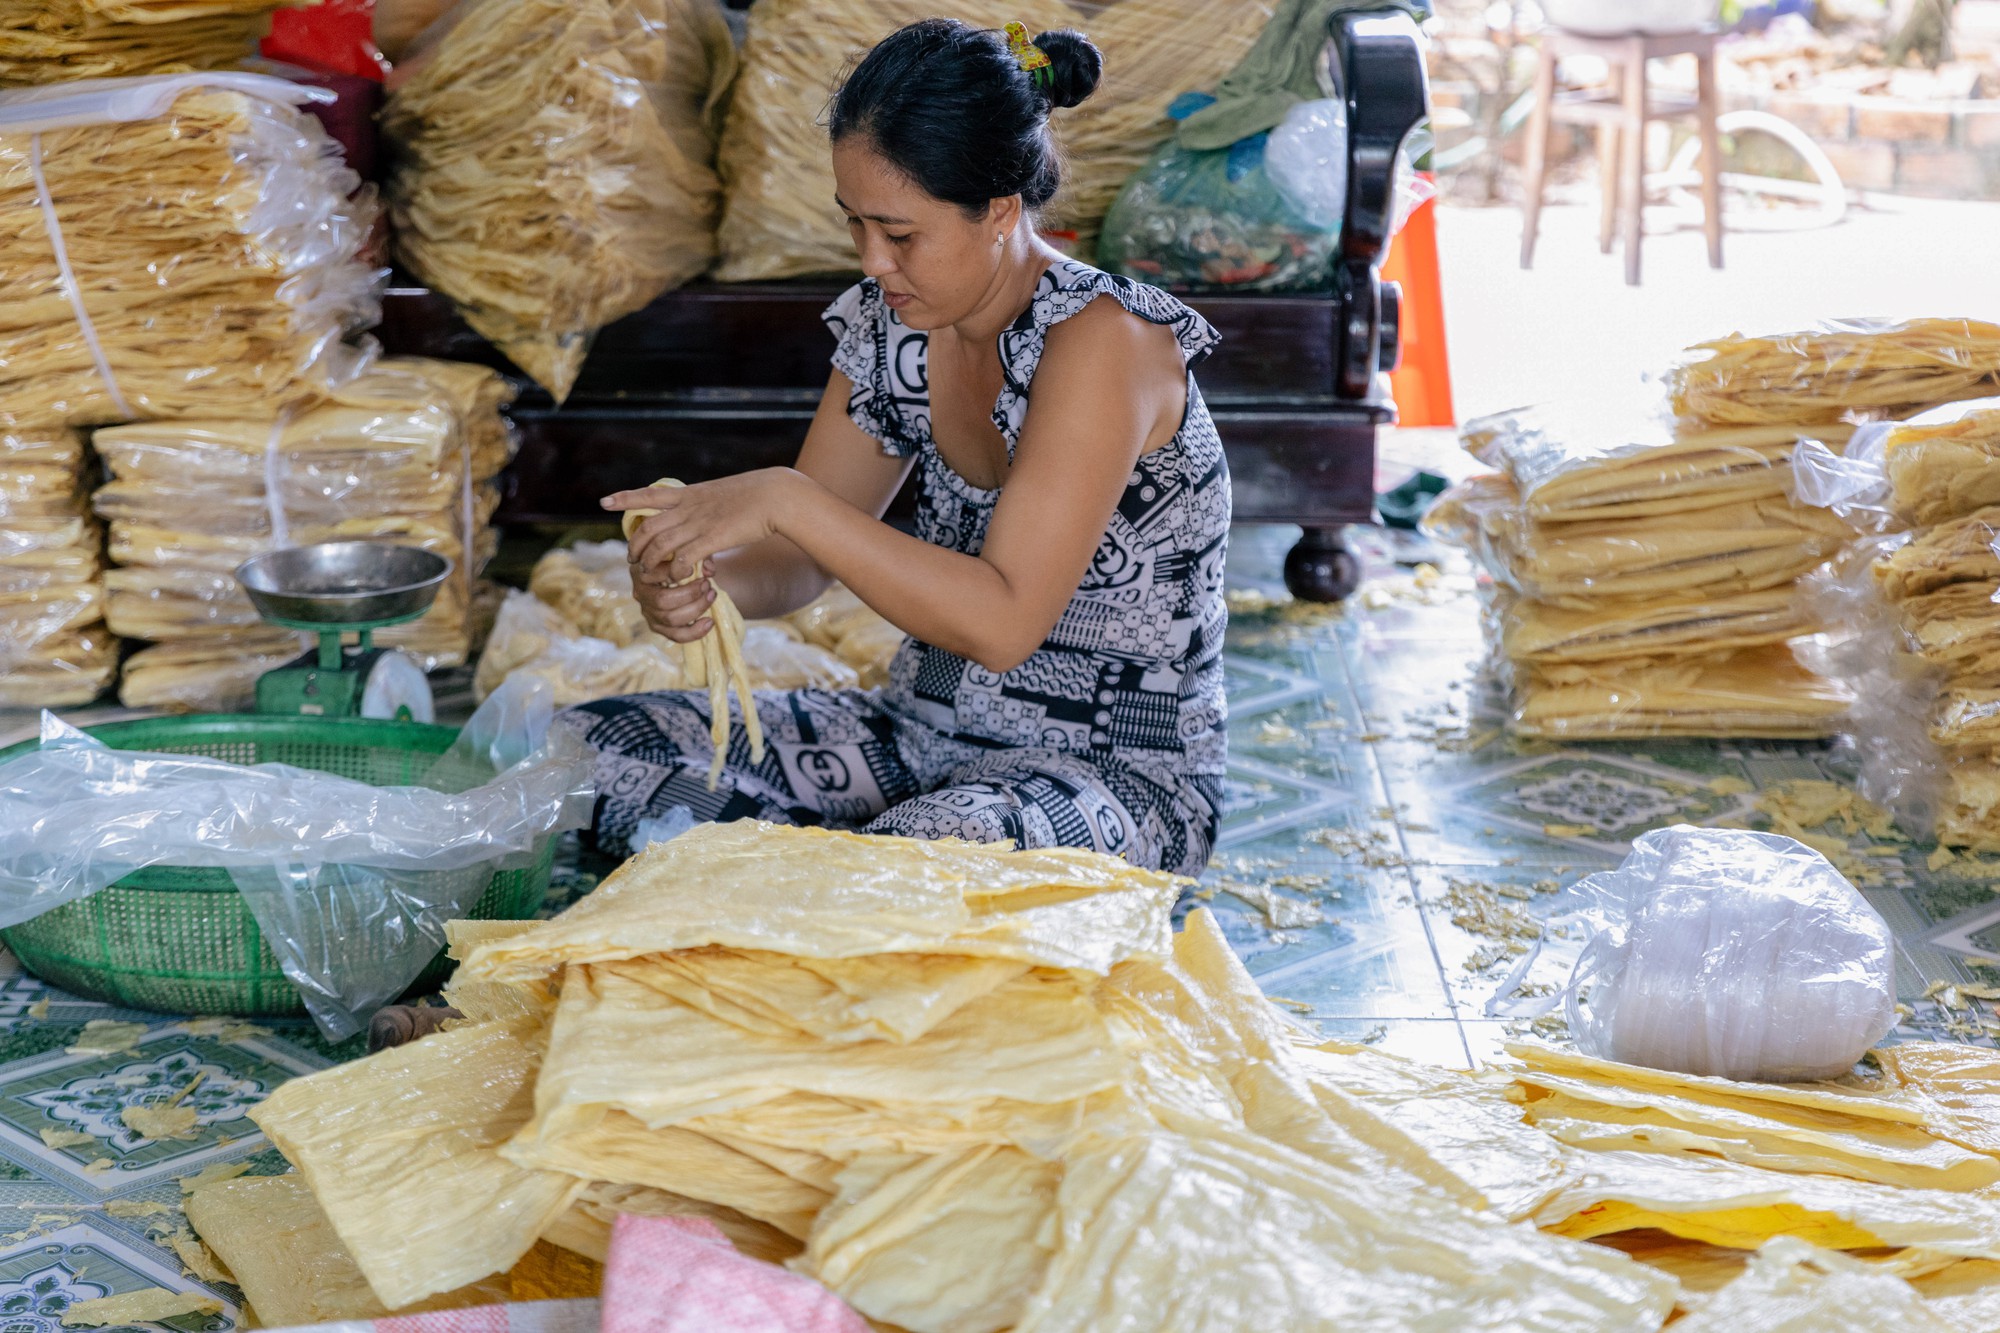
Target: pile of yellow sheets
x=214 y=251
x=556 y=166
x=1841 y=371
x=780 y=221
x=1938 y=472
x=55 y=41
x=54 y=650
x=580 y=629
x=406 y=452
x=1645 y=575
x=973 y=1090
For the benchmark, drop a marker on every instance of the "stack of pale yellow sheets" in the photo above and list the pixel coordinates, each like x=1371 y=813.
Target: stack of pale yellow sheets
x=55 y=41
x=406 y=453
x=780 y=219
x=579 y=628
x=973 y=1090
x=555 y=166
x=1645 y=575
x=54 y=649
x=1944 y=483
x=215 y=251
x=1850 y=370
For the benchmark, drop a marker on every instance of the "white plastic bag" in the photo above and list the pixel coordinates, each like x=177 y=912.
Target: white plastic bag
x=1306 y=159
x=1729 y=953
x=351 y=884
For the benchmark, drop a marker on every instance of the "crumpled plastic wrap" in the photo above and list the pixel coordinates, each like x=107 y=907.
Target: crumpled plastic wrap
x=1841 y=370
x=224 y=281
x=555 y=167
x=351 y=884
x=406 y=452
x=779 y=220
x=1732 y=953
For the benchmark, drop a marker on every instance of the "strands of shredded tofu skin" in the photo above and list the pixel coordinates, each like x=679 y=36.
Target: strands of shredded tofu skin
x=717 y=664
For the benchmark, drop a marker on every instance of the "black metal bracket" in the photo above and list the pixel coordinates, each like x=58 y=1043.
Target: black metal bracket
x=1388 y=95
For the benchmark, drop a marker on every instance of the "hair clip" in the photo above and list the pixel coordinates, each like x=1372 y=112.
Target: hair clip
x=1032 y=59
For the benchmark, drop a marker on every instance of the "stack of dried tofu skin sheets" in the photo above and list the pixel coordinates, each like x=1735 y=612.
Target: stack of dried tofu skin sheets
x=1841 y=371
x=579 y=628
x=214 y=248
x=406 y=452
x=56 y=41
x=555 y=165
x=780 y=220
x=1768 y=1203
x=54 y=649
x=966 y=1088
x=1645 y=575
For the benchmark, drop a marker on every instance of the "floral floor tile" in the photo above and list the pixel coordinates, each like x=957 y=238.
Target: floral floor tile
x=40 y=1279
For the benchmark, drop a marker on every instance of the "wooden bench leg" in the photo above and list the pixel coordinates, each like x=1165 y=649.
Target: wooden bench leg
x=1708 y=107
x=1539 y=125
x=1633 y=158
x=1609 y=141
x=1321 y=568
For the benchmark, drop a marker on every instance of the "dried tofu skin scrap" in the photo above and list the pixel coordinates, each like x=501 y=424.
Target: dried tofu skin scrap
x=845 y=1128
x=1592 y=1115
x=895 y=1243
x=284 y=1254
x=617 y=1149
x=1467 y=1122
x=821 y=893
x=890 y=997
x=1792 y=1287
x=586 y=1227
x=618 y=1043
x=1962 y=1082
x=494 y=1001
x=1723 y=1203
x=1966 y=1294
x=400 y=1149
x=1881 y=1101
x=1228 y=1231
x=1216 y=1049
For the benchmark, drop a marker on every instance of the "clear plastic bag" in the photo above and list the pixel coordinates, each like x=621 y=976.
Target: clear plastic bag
x=779 y=220
x=350 y=884
x=1744 y=546
x=229 y=202
x=1623 y=457
x=1728 y=953
x=52 y=651
x=1216 y=220
x=1841 y=370
x=1762 y=692
x=555 y=165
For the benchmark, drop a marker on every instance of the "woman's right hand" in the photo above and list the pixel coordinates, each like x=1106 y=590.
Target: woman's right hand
x=680 y=614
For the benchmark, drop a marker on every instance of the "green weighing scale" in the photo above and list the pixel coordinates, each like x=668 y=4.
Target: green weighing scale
x=335 y=589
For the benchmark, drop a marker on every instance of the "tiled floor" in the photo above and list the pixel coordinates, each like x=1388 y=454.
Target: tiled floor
x=1383 y=844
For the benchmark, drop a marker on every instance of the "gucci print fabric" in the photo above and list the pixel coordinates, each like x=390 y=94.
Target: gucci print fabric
x=1110 y=736
x=841 y=758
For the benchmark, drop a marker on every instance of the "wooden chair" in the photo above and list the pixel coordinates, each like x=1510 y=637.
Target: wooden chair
x=1619 y=113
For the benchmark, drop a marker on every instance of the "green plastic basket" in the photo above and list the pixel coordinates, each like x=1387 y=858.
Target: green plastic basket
x=181 y=939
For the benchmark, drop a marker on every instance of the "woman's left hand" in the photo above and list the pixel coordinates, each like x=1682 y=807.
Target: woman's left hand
x=696 y=522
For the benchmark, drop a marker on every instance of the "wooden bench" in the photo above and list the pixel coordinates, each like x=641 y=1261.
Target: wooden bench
x=714 y=379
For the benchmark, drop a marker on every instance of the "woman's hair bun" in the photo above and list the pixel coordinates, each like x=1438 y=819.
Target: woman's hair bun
x=1075 y=62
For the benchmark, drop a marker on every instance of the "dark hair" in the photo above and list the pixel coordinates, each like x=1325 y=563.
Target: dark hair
x=949 y=106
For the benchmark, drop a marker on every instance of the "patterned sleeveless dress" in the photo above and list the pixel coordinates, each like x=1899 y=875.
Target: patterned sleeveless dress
x=1110 y=736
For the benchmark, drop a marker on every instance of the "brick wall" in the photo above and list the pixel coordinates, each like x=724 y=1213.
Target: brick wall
x=1936 y=150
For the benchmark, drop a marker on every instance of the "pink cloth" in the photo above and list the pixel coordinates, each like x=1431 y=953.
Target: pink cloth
x=681 y=1275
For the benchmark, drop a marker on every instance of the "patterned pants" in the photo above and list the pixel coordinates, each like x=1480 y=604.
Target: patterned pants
x=837 y=757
